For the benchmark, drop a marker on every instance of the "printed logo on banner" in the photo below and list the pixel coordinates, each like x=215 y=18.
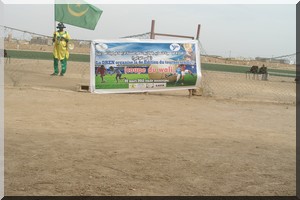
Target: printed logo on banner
x=101 y=47
x=137 y=86
x=160 y=85
x=147 y=85
x=175 y=47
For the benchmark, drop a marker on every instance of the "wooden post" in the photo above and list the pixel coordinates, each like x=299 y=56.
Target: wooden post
x=152 y=34
x=171 y=35
x=198 y=32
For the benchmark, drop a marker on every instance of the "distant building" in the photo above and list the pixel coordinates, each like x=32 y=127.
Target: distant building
x=262 y=59
x=39 y=40
x=214 y=56
x=283 y=61
x=273 y=60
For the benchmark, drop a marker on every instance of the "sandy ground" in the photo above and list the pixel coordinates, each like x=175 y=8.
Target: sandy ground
x=62 y=142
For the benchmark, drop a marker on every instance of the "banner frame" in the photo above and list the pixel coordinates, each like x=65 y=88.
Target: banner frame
x=92 y=87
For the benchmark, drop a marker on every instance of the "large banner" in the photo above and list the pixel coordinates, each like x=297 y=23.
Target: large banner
x=123 y=66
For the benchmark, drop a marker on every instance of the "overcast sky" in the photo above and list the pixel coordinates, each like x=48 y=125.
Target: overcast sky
x=229 y=29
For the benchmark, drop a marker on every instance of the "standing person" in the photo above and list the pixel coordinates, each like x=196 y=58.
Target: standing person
x=60 y=51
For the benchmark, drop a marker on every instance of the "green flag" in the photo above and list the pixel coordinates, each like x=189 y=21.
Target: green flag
x=81 y=15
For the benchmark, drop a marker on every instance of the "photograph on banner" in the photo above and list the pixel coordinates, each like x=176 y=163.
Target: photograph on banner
x=144 y=65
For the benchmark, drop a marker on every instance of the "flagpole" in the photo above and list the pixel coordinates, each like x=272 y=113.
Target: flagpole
x=54 y=16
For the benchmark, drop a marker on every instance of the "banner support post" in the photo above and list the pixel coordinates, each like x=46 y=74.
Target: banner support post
x=152 y=34
x=198 y=32
x=54 y=16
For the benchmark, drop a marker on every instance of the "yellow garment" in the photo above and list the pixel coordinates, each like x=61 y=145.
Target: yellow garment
x=60 y=50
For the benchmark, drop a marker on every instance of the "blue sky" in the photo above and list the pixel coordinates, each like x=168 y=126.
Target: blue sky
x=247 y=30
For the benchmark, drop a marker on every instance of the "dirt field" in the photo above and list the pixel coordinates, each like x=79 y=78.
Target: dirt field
x=62 y=142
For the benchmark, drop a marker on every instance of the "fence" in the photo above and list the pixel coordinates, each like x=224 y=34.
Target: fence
x=31 y=63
